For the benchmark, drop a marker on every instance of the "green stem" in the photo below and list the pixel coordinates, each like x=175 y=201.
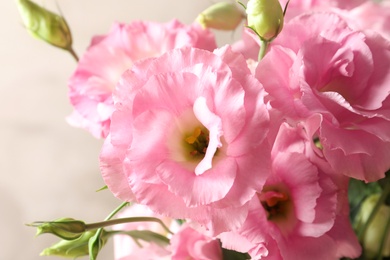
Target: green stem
x=112 y=214
x=100 y=229
x=126 y=220
x=73 y=53
x=145 y=235
x=263 y=49
x=382 y=198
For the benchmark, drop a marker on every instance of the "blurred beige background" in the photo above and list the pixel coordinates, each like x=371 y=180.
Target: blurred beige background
x=49 y=169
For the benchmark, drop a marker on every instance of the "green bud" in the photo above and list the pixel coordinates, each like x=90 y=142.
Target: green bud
x=45 y=25
x=221 y=16
x=96 y=243
x=265 y=18
x=376 y=229
x=70 y=248
x=65 y=228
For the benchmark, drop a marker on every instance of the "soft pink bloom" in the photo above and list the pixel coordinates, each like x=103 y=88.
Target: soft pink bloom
x=302 y=211
x=188 y=137
x=298 y=7
x=370 y=16
x=125 y=246
x=361 y=14
x=91 y=86
x=345 y=90
x=189 y=243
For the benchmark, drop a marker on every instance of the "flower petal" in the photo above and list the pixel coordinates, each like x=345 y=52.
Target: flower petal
x=213 y=123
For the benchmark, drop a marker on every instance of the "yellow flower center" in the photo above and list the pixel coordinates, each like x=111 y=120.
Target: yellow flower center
x=276 y=203
x=197 y=142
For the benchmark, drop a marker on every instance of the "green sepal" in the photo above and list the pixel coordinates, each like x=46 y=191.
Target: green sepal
x=102 y=188
x=70 y=248
x=96 y=243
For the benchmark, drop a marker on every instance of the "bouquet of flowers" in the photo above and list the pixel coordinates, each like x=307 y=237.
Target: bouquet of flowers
x=275 y=146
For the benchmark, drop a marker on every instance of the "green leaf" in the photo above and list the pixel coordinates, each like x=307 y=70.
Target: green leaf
x=358 y=191
x=234 y=255
x=180 y=221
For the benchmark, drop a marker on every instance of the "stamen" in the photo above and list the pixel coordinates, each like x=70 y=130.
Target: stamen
x=198 y=141
x=274 y=202
x=191 y=139
x=194 y=137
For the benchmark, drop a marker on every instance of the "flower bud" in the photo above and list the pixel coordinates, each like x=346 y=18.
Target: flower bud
x=221 y=16
x=45 y=25
x=71 y=248
x=375 y=232
x=265 y=17
x=96 y=243
x=65 y=228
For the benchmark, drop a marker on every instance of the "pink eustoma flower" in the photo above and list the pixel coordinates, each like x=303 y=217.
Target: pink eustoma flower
x=188 y=136
x=188 y=243
x=299 y=7
x=360 y=15
x=91 y=85
x=370 y=16
x=346 y=88
x=301 y=213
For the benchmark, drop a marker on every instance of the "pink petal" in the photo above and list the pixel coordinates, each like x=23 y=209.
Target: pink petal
x=213 y=123
x=196 y=190
x=302 y=179
x=111 y=159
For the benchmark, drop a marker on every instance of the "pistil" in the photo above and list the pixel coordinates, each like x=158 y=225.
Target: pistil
x=198 y=141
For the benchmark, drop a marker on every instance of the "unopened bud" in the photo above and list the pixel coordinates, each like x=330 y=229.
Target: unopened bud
x=65 y=228
x=376 y=230
x=71 y=248
x=265 y=17
x=221 y=16
x=45 y=25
